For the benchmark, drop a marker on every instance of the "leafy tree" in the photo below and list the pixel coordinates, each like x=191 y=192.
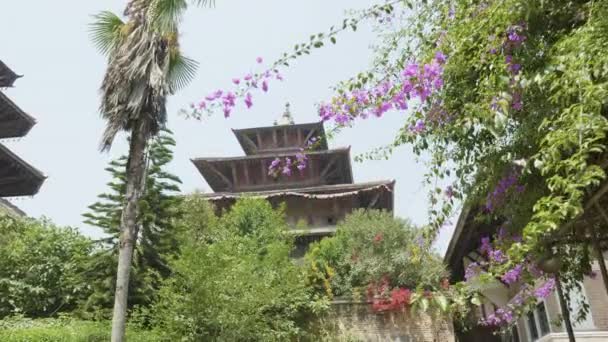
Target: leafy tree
x=41 y=272
x=145 y=65
x=371 y=247
x=157 y=241
x=235 y=281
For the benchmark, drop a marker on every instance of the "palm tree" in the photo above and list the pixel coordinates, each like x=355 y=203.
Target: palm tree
x=145 y=65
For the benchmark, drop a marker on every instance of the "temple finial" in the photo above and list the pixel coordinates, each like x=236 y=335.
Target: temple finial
x=286 y=118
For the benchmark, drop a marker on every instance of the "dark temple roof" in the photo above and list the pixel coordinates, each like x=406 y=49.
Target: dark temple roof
x=219 y=175
x=384 y=187
x=13 y=121
x=17 y=178
x=250 y=146
x=7 y=76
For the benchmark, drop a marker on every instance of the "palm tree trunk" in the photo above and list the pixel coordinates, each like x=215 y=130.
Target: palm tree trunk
x=129 y=226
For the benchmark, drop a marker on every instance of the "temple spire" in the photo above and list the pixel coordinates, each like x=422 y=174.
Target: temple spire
x=286 y=119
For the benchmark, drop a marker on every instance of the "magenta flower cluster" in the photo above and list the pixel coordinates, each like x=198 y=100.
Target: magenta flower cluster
x=526 y=295
x=514 y=39
x=505 y=186
x=285 y=166
x=226 y=99
x=416 y=82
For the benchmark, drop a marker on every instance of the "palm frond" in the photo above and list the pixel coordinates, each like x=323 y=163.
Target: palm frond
x=181 y=71
x=105 y=31
x=209 y=3
x=165 y=15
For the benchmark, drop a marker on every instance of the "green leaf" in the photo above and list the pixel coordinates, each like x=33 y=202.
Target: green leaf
x=441 y=301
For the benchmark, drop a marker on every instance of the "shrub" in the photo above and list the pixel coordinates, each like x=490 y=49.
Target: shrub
x=41 y=267
x=235 y=282
x=373 y=248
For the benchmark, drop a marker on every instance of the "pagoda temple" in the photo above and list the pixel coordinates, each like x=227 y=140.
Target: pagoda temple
x=315 y=199
x=17 y=178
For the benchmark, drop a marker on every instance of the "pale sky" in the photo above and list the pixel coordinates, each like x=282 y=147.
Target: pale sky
x=49 y=44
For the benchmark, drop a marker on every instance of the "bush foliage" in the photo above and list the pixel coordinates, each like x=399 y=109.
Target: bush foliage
x=371 y=247
x=234 y=280
x=41 y=267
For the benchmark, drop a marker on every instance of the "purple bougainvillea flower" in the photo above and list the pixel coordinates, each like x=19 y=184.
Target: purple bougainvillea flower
x=411 y=70
x=440 y=57
x=543 y=291
x=259 y=60
x=265 y=86
x=236 y=81
x=248 y=100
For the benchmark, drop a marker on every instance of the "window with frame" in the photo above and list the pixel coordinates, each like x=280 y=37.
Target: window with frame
x=537 y=322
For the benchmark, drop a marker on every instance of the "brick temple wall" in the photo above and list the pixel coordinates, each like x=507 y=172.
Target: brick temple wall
x=357 y=320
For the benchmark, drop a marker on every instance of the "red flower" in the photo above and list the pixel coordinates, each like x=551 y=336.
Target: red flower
x=378 y=238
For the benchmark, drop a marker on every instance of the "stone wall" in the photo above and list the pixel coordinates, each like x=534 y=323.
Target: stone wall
x=356 y=320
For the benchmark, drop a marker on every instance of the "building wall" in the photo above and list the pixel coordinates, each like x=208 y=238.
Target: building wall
x=357 y=320
x=319 y=213
x=593 y=290
x=598 y=298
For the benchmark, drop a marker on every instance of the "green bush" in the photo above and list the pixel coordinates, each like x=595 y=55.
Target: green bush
x=19 y=329
x=41 y=267
x=371 y=246
x=234 y=280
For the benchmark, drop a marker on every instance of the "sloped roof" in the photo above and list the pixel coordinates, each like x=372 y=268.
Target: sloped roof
x=315 y=192
x=250 y=150
x=208 y=167
x=14 y=122
x=7 y=76
x=17 y=178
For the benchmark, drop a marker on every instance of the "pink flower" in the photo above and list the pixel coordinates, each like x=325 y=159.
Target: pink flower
x=410 y=70
x=227 y=111
x=248 y=77
x=202 y=105
x=236 y=81
x=248 y=100
x=440 y=57
x=265 y=86
x=259 y=60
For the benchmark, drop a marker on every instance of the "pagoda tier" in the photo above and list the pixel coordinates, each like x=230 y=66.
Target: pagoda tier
x=312 y=213
x=315 y=199
x=17 y=178
x=318 y=207
x=13 y=121
x=7 y=76
x=250 y=173
x=280 y=139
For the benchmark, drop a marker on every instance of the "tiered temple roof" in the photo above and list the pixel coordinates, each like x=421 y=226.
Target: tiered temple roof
x=17 y=178
x=316 y=198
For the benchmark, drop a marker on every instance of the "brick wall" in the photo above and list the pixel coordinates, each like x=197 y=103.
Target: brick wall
x=357 y=320
x=598 y=299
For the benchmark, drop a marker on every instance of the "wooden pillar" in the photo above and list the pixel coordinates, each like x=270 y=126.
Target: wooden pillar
x=264 y=171
x=246 y=171
x=300 y=142
x=285 y=138
x=234 y=177
x=565 y=311
x=258 y=137
x=274 y=138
